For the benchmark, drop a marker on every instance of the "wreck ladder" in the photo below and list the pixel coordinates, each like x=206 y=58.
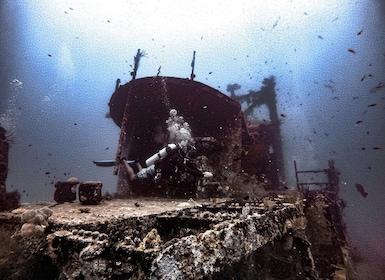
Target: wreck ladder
x=301 y=184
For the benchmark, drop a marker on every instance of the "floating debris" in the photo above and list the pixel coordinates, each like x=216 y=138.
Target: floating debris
x=46 y=98
x=377 y=87
x=329 y=87
x=361 y=190
x=276 y=23
x=16 y=84
x=352 y=51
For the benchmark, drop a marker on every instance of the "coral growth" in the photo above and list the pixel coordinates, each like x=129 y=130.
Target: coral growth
x=35 y=221
x=152 y=240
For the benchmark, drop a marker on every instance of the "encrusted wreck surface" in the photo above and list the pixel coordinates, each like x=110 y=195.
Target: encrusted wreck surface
x=161 y=239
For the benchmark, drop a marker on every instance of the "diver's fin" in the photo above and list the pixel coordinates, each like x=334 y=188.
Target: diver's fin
x=108 y=162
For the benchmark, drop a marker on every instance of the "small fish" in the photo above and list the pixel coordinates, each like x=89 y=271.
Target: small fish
x=363 y=78
x=352 y=51
x=360 y=32
x=377 y=148
x=372 y=105
x=363 y=148
x=283 y=115
x=380 y=85
x=358 y=122
x=276 y=23
x=47 y=173
x=50 y=55
x=361 y=190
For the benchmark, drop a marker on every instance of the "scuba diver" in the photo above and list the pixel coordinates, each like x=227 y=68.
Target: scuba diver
x=173 y=161
x=169 y=163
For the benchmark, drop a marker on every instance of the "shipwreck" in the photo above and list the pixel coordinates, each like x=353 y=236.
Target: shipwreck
x=245 y=225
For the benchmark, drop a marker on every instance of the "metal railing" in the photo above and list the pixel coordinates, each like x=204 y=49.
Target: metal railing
x=301 y=184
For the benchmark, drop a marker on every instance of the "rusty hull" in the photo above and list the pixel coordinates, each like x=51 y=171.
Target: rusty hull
x=209 y=113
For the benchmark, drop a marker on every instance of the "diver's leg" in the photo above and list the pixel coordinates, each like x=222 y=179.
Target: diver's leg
x=130 y=171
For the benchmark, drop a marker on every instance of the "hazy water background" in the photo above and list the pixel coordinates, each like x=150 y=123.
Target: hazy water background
x=60 y=61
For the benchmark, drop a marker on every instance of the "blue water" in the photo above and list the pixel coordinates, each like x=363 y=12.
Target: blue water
x=60 y=61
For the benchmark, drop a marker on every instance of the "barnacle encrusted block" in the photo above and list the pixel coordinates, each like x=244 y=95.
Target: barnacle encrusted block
x=90 y=192
x=65 y=191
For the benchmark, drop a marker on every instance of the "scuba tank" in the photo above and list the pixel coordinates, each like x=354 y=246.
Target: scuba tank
x=160 y=154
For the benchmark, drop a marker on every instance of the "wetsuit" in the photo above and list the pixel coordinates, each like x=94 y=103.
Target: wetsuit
x=175 y=163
